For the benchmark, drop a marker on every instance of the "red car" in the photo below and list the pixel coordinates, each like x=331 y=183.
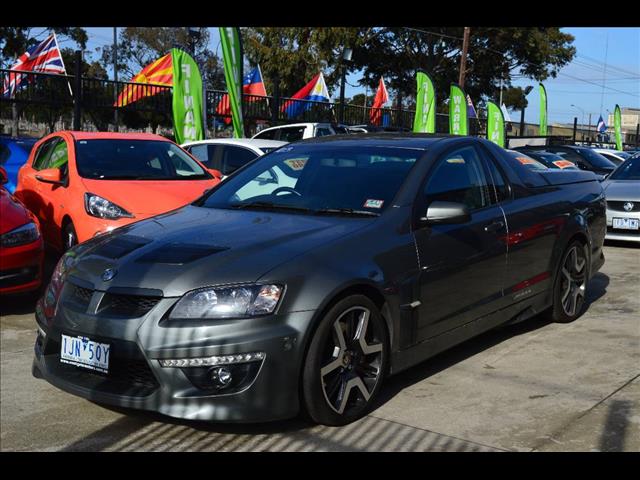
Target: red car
x=21 y=245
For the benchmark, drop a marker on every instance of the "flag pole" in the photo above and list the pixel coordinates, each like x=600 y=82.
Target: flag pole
x=265 y=89
x=55 y=39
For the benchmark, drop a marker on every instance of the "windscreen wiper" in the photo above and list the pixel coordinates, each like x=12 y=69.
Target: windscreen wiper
x=271 y=206
x=346 y=211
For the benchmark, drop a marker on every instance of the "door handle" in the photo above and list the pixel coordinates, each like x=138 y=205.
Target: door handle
x=494 y=226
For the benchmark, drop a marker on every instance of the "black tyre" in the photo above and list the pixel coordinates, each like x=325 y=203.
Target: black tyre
x=570 y=283
x=69 y=237
x=346 y=362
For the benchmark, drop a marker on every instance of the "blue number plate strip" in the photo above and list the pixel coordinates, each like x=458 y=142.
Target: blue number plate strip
x=82 y=352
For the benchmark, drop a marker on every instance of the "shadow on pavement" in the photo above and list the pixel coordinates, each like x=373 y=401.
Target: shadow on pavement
x=615 y=428
x=150 y=432
x=621 y=244
x=596 y=289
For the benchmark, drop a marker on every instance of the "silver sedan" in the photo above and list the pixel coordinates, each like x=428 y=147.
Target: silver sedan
x=622 y=190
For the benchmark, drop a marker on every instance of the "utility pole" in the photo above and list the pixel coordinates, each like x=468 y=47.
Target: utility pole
x=463 y=59
x=115 y=76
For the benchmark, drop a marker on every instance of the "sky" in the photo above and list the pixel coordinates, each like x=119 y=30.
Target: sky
x=576 y=92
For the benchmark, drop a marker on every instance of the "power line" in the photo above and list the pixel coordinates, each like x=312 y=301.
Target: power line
x=612 y=67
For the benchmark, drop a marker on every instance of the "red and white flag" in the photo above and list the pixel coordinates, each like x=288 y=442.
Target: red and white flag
x=382 y=97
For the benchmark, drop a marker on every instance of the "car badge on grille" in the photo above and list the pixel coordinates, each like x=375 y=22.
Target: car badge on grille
x=628 y=206
x=108 y=274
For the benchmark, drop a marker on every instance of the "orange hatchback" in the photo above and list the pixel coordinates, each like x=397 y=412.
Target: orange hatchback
x=82 y=184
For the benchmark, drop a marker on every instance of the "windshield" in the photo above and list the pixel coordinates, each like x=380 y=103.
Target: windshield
x=318 y=179
x=552 y=160
x=596 y=159
x=526 y=160
x=135 y=160
x=629 y=170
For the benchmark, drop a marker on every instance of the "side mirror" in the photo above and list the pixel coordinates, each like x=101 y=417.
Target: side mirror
x=50 y=175
x=216 y=173
x=446 y=213
x=4 y=178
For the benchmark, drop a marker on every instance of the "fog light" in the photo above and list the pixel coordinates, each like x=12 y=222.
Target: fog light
x=214 y=360
x=222 y=376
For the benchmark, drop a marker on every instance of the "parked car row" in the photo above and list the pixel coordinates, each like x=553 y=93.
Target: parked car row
x=617 y=170
x=248 y=280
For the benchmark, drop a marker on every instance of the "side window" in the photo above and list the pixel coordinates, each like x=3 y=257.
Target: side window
x=322 y=131
x=267 y=135
x=292 y=134
x=42 y=156
x=499 y=184
x=201 y=152
x=59 y=155
x=236 y=157
x=459 y=177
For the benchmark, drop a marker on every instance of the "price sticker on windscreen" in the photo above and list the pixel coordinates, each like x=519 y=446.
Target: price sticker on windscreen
x=371 y=203
x=296 y=163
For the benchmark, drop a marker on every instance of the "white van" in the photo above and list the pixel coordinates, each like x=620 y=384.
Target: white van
x=298 y=131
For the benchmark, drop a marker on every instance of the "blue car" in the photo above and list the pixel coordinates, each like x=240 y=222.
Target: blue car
x=14 y=153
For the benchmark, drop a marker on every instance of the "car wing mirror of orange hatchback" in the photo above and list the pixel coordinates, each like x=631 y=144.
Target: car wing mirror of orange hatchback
x=50 y=175
x=215 y=173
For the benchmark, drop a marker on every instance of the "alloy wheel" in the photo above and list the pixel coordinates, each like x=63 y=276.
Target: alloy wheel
x=573 y=280
x=352 y=361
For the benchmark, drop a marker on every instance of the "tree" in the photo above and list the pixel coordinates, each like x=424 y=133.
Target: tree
x=514 y=98
x=494 y=54
x=358 y=99
x=294 y=55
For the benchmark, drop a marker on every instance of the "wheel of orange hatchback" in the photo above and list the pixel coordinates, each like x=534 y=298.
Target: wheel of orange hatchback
x=69 y=236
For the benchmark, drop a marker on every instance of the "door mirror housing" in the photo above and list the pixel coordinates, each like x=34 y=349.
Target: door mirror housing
x=446 y=213
x=215 y=173
x=4 y=178
x=50 y=175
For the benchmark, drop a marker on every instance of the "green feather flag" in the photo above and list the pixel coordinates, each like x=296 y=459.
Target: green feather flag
x=232 y=59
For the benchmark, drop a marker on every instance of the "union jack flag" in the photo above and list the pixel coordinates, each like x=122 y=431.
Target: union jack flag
x=44 y=57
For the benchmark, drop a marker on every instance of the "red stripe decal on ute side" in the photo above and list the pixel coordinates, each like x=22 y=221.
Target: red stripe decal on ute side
x=539 y=229
x=530 y=281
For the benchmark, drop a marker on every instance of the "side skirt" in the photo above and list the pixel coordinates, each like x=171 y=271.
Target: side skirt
x=518 y=312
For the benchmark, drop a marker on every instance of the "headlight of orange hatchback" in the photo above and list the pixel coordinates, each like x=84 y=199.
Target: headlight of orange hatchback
x=96 y=206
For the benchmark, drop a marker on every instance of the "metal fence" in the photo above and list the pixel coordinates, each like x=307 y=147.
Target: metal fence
x=99 y=104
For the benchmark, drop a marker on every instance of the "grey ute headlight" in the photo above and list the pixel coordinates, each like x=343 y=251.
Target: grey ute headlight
x=96 y=206
x=228 y=302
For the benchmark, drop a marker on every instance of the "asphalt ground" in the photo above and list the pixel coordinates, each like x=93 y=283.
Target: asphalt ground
x=534 y=386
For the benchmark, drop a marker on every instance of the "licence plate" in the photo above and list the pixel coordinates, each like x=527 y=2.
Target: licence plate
x=85 y=353
x=626 y=223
